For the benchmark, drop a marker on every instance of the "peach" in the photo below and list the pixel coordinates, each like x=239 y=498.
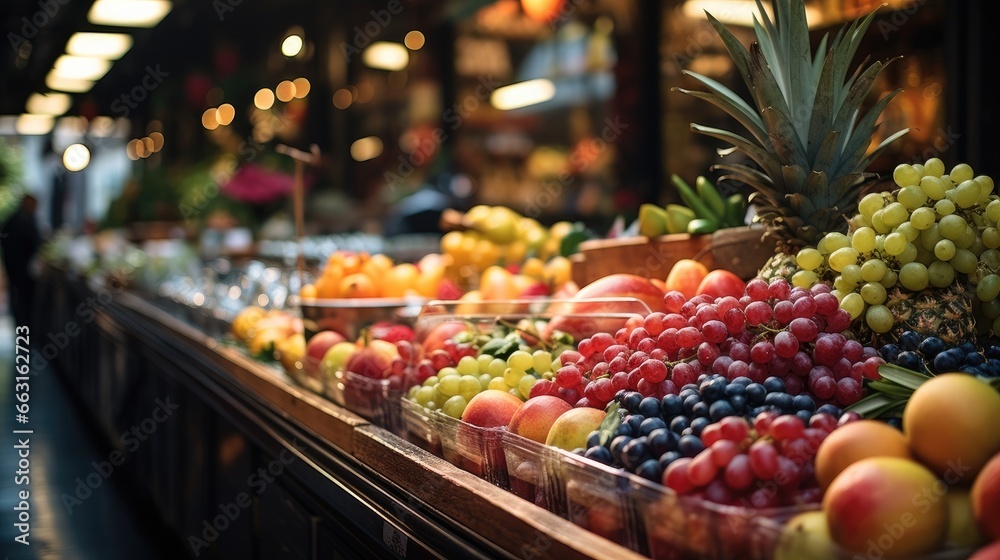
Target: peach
x=491 y=408
x=535 y=417
x=854 y=441
x=806 y=536
x=720 y=283
x=685 y=277
x=373 y=360
x=434 y=339
x=571 y=429
x=985 y=496
x=887 y=507
x=321 y=342
x=950 y=423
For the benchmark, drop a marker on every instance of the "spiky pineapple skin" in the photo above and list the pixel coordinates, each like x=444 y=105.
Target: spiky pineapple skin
x=781 y=265
x=942 y=312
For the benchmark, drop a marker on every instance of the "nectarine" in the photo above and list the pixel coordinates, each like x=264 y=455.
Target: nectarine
x=720 y=283
x=985 y=496
x=854 y=441
x=571 y=429
x=685 y=277
x=491 y=408
x=535 y=417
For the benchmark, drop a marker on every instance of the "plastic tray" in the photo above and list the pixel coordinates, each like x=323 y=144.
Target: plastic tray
x=350 y=315
x=418 y=426
x=376 y=400
x=473 y=449
x=594 y=496
x=527 y=469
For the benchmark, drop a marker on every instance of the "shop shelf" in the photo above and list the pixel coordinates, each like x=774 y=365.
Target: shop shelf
x=594 y=496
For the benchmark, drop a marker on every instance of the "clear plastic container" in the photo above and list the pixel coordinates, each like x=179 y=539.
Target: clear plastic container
x=376 y=400
x=594 y=496
x=527 y=469
x=418 y=426
x=473 y=449
x=349 y=316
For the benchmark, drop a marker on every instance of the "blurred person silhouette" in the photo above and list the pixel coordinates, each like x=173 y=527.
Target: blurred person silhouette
x=19 y=242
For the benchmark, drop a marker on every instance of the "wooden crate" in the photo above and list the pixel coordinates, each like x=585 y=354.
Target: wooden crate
x=739 y=250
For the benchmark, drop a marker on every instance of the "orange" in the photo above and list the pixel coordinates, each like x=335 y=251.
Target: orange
x=357 y=285
x=327 y=287
x=400 y=280
x=308 y=291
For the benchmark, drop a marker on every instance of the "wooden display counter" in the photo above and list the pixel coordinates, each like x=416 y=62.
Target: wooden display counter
x=299 y=476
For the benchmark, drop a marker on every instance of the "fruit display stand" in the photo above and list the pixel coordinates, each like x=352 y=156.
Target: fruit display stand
x=347 y=485
x=739 y=250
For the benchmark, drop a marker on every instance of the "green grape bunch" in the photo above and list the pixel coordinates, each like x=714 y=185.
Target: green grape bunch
x=934 y=230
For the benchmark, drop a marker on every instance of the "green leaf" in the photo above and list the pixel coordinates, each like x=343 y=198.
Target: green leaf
x=610 y=424
x=739 y=54
x=872 y=404
x=891 y=389
x=570 y=244
x=902 y=376
x=753 y=151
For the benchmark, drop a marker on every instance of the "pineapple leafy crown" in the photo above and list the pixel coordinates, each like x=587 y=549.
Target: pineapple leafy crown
x=806 y=130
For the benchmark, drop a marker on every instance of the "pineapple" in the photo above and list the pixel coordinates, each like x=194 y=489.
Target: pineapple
x=942 y=312
x=806 y=130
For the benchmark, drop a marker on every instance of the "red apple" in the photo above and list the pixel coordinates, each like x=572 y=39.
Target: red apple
x=720 y=283
x=535 y=417
x=986 y=498
x=321 y=342
x=491 y=409
x=440 y=333
x=374 y=359
x=391 y=332
x=448 y=290
x=565 y=316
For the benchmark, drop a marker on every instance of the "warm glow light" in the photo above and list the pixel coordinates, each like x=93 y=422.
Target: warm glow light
x=109 y=46
x=541 y=10
x=384 y=55
x=741 y=12
x=285 y=91
x=209 y=120
x=263 y=99
x=226 y=114
x=102 y=127
x=291 y=46
x=58 y=83
x=81 y=67
x=130 y=150
x=148 y=143
x=523 y=94
x=342 y=98
x=128 y=13
x=302 y=87
x=76 y=157
x=364 y=149
x=157 y=138
x=34 y=124
x=48 y=104
x=414 y=40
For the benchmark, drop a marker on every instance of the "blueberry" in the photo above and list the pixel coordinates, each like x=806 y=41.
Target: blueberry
x=650 y=469
x=755 y=394
x=667 y=458
x=689 y=446
x=889 y=352
x=992 y=352
x=763 y=408
x=635 y=420
x=714 y=390
x=620 y=395
x=650 y=406
x=662 y=440
x=699 y=424
x=896 y=422
x=599 y=454
x=974 y=359
x=631 y=401
x=618 y=444
x=803 y=402
x=686 y=393
x=739 y=404
x=910 y=340
x=968 y=347
x=910 y=360
x=736 y=390
x=701 y=378
x=741 y=380
x=931 y=346
x=625 y=429
x=635 y=452
x=700 y=410
x=678 y=424
x=594 y=439
x=579 y=451
x=971 y=370
x=687 y=432
x=804 y=415
x=689 y=404
x=650 y=424
x=774 y=385
x=691 y=386
x=831 y=409
x=719 y=410
x=670 y=406
x=945 y=361
x=782 y=401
